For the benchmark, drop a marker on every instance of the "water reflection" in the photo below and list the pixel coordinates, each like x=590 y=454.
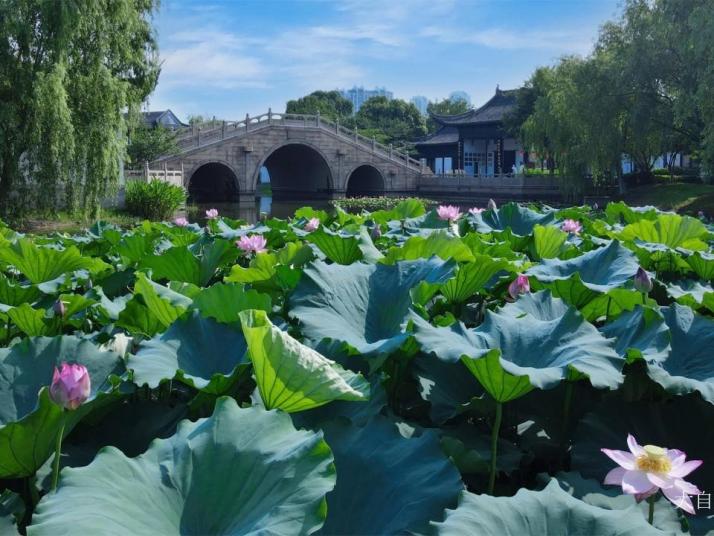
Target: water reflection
x=251 y=212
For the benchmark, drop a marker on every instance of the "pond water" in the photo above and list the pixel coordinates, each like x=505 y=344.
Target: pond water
x=251 y=212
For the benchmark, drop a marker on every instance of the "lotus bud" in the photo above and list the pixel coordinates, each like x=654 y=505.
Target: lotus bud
x=181 y=222
x=642 y=281
x=312 y=225
x=376 y=232
x=70 y=385
x=491 y=205
x=520 y=285
x=212 y=214
x=59 y=308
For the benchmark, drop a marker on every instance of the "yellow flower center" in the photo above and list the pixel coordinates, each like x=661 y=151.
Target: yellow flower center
x=654 y=460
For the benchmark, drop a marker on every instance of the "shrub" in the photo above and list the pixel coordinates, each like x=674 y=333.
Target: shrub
x=154 y=200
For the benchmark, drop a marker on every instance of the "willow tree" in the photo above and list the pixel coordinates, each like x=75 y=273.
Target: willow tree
x=70 y=73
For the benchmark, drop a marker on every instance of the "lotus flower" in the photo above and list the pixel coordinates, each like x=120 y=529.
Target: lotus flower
x=253 y=243
x=491 y=205
x=448 y=212
x=183 y=222
x=520 y=285
x=312 y=225
x=642 y=281
x=212 y=213
x=645 y=470
x=70 y=385
x=59 y=308
x=476 y=210
x=572 y=226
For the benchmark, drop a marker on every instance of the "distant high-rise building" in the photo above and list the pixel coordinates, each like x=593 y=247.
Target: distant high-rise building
x=460 y=96
x=421 y=103
x=359 y=95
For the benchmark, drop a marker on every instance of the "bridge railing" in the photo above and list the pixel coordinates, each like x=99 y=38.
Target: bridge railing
x=199 y=136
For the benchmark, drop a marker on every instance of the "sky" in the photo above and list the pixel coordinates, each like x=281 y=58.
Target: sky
x=227 y=58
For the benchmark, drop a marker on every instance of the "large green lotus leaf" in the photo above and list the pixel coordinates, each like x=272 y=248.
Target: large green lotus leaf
x=33 y=322
x=444 y=384
x=196 y=350
x=519 y=219
x=470 y=450
x=548 y=241
x=409 y=208
x=551 y=511
x=43 y=265
x=162 y=304
x=135 y=246
x=239 y=472
x=672 y=230
x=387 y=484
x=692 y=293
x=703 y=264
x=175 y=264
x=612 y=498
x=12 y=294
x=366 y=306
x=223 y=301
x=337 y=248
x=689 y=366
x=439 y=243
x=600 y=270
x=621 y=213
x=292 y=376
x=29 y=425
x=641 y=332
x=533 y=342
x=473 y=277
x=680 y=423
x=608 y=305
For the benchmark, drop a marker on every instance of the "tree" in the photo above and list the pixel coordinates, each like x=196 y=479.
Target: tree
x=68 y=73
x=445 y=107
x=147 y=144
x=330 y=104
x=393 y=120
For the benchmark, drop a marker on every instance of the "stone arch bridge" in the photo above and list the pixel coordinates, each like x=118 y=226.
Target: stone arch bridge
x=305 y=155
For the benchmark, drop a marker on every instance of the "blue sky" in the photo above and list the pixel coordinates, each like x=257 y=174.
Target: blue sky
x=228 y=58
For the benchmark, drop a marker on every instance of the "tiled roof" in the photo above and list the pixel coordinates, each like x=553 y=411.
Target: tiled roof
x=444 y=135
x=493 y=111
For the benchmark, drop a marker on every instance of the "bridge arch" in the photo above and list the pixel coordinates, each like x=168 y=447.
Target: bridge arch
x=365 y=179
x=213 y=181
x=296 y=169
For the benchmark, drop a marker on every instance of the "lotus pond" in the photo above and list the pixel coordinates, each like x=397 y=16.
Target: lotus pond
x=400 y=371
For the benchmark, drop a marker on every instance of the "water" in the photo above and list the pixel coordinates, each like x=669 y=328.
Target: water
x=251 y=212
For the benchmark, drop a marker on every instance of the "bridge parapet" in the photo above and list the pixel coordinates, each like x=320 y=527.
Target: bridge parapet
x=202 y=136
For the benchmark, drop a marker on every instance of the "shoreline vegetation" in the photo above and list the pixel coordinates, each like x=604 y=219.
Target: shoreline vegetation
x=684 y=198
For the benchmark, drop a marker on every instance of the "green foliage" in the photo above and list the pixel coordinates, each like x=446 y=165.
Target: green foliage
x=329 y=104
x=146 y=144
x=445 y=107
x=70 y=74
x=368 y=384
x=397 y=121
x=155 y=200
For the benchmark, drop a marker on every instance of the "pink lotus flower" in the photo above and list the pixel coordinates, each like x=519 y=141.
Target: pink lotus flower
x=520 y=285
x=254 y=243
x=645 y=470
x=642 y=281
x=448 y=212
x=312 y=225
x=212 y=213
x=180 y=222
x=70 y=385
x=476 y=210
x=572 y=226
x=491 y=205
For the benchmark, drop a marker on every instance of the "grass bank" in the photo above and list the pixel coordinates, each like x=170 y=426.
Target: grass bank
x=687 y=198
